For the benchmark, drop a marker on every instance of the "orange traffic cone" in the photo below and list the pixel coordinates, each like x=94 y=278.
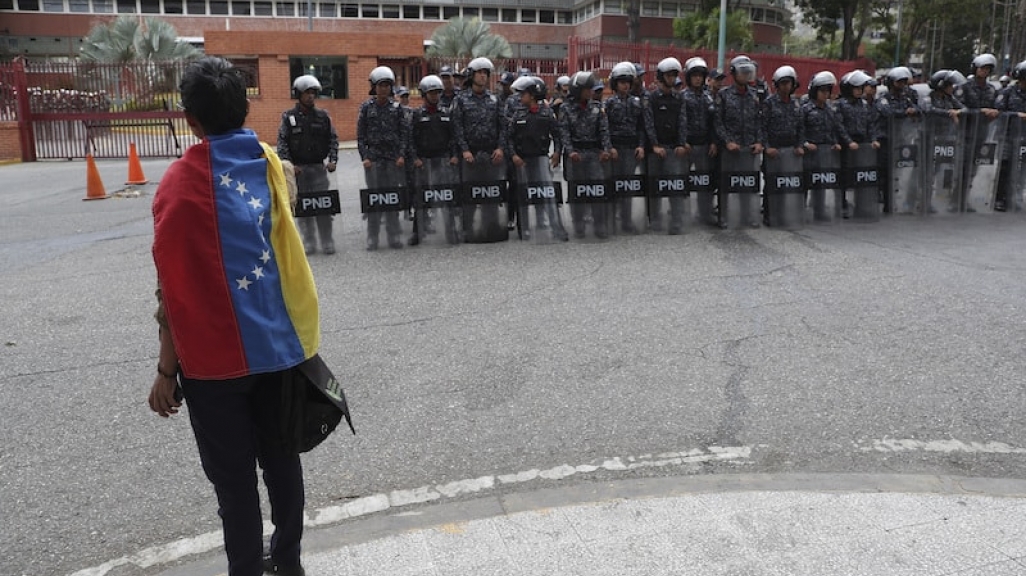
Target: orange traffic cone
x=94 y=185
x=135 y=172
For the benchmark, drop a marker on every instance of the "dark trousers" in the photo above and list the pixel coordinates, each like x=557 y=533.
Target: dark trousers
x=230 y=419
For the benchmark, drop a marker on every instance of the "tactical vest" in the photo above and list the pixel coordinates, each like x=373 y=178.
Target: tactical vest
x=531 y=134
x=665 y=113
x=309 y=136
x=432 y=133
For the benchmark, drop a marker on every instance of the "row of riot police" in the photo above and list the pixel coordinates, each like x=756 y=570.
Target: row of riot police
x=480 y=165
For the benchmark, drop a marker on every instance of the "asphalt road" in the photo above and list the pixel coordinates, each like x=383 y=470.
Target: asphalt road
x=894 y=347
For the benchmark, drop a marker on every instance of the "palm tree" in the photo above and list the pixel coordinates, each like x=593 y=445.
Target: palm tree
x=124 y=40
x=462 y=38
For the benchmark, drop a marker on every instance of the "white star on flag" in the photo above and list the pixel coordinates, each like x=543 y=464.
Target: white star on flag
x=256 y=203
x=260 y=220
x=258 y=272
x=226 y=180
x=265 y=256
x=243 y=283
x=241 y=188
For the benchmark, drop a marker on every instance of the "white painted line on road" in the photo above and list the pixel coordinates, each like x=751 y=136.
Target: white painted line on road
x=946 y=446
x=379 y=502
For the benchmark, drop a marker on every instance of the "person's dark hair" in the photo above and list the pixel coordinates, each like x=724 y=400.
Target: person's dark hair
x=214 y=92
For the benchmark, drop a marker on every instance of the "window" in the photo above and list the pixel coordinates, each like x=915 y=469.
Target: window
x=547 y=16
x=28 y=4
x=411 y=11
x=259 y=8
x=432 y=13
x=219 y=7
x=450 y=12
x=490 y=14
x=126 y=7
x=99 y=6
x=198 y=7
x=301 y=10
x=613 y=7
x=327 y=10
x=53 y=5
x=149 y=6
x=566 y=17
x=330 y=71
x=73 y=5
x=528 y=16
x=669 y=9
x=240 y=8
x=370 y=10
x=173 y=7
x=285 y=9
x=9 y=5
x=509 y=14
x=390 y=11
x=470 y=12
x=350 y=10
x=757 y=15
x=650 y=9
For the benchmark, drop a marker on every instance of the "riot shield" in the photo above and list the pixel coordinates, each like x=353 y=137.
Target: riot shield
x=944 y=155
x=862 y=178
x=906 y=156
x=385 y=197
x=538 y=202
x=668 y=204
x=823 y=179
x=1014 y=183
x=483 y=200
x=702 y=185
x=435 y=203
x=740 y=184
x=628 y=192
x=589 y=195
x=785 y=190
x=983 y=150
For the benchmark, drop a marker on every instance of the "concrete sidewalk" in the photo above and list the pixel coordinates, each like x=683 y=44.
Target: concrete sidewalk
x=734 y=525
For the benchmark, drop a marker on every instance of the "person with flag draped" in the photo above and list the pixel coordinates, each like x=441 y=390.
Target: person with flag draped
x=237 y=309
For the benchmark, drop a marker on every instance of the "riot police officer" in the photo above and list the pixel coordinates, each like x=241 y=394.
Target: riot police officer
x=1012 y=177
x=306 y=138
x=781 y=118
x=433 y=154
x=630 y=126
x=701 y=136
x=450 y=88
x=737 y=107
x=825 y=136
x=669 y=150
x=382 y=136
x=584 y=130
x=895 y=107
x=530 y=133
x=979 y=96
x=506 y=83
x=480 y=137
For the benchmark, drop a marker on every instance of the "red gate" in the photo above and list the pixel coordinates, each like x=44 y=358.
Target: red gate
x=71 y=109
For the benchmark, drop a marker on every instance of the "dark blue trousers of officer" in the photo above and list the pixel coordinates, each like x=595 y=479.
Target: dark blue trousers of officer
x=231 y=420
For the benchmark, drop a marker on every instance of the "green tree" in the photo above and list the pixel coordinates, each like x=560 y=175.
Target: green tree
x=702 y=29
x=851 y=17
x=463 y=38
x=125 y=40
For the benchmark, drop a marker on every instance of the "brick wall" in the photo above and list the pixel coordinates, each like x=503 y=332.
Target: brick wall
x=10 y=141
x=273 y=50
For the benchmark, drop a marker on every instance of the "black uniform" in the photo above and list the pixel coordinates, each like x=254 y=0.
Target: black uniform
x=670 y=118
x=382 y=136
x=584 y=129
x=305 y=138
x=433 y=139
x=529 y=135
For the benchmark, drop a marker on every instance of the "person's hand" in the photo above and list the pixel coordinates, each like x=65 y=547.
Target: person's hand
x=331 y=166
x=659 y=151
x=713 y=150
x=400 y=162
x=687 y=148
x=733 y=146
x=162 y=396
x=575 y=157
x=799 y=151
x=454 y=161
x=518 y=161
x=418 y=163
x=680 y=151
x=757 y=149
x=876 y=145
x=604 y=156
x=639 y=153
x=991 y=113
x=810 y=147
x=835 y=147
x=498 y=156
x=367 y=163
x=772 y=152
x=468 y=157
x=554 y=160
x=853 y=146
x=910 y=112
x=296 y=169
x=614 y=154
x=954 y=115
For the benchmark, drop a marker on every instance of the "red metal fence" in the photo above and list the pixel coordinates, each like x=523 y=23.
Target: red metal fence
x=70 y=109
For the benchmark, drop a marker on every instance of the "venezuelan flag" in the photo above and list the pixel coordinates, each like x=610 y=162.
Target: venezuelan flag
x=238 y=292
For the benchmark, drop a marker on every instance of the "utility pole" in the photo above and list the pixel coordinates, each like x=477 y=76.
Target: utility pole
x=722 y=45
